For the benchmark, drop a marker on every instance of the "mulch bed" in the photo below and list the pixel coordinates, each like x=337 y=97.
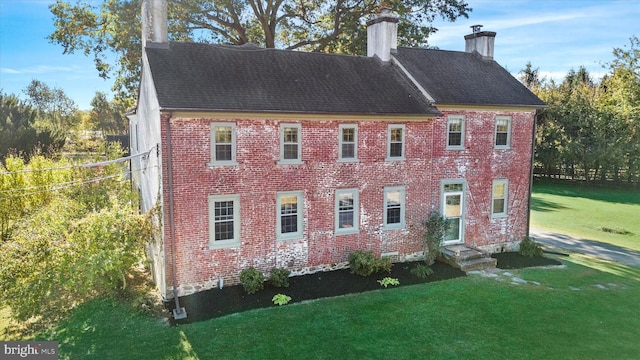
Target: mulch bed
x=513 y=260
x=232 y=299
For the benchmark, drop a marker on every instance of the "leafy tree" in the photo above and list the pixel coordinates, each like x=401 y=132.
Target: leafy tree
x=113 y=27
x=18 y=132
x=106 y=116
x=57 y=110
x=530 y=77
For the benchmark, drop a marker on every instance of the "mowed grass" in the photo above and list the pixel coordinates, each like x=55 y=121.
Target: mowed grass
x=587 y=310
x=606 y=215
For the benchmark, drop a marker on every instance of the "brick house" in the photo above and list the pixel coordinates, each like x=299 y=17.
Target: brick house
x=273 y=158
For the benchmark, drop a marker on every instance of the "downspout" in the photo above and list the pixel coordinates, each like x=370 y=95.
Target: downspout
x=179 y=312
x=533 y=150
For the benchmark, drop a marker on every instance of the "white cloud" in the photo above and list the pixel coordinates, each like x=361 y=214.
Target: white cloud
x=38 y=69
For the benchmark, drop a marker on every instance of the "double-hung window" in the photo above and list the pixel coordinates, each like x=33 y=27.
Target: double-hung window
x=290 y=208
x=394 y=204
x=348 y=141
x=224 y=221
x=499 y=198
x=290 y=144
x=503 y=132
x=346 y=211
x=455 y=132
x=223 y=144
x=395 y=142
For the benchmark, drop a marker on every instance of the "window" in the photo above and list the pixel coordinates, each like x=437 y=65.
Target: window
x=394 y=200
x=223 y=144
x=346 y=211
x=290 y=144
x=348 y=141
x=503 y=132
x=455 y=132
x=499 y=198
x=224 y=221
x=395 y=142
x=289 y=217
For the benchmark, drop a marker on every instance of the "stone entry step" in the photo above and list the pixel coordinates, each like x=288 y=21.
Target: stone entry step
x=466 y=258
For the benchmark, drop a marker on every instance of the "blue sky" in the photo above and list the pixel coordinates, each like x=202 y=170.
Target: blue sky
x=555 y=35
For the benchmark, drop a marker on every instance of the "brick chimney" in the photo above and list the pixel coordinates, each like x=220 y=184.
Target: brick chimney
x=382 y=35
x=154 y=23
x=480 y=41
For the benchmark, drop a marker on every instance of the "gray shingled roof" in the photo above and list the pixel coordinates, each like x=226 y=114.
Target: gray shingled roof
x=197 y=76
x=460 y=78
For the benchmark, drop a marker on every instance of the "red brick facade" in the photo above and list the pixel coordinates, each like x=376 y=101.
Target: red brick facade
x=258 y=177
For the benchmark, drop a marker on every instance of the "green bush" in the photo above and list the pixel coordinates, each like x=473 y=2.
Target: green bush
x=530 y=248
x=421 y=271
x=252 y=280
x=281 y=299
x=280 y=277
x=389 y=281
x=363 y=263
x=384 y=265
x=435 y=228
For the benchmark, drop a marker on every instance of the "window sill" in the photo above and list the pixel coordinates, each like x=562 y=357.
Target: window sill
x=289 y=237
x=498 y=216
x=392 y=159
x=225 y=244
x=346 y=232
x=394 y=227
x=455 y=148
x=502 y=147
x=222 y=164
x=290 y=162
x=348 y=160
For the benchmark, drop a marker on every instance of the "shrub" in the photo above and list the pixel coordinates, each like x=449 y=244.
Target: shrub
x=384 y=264
x=252 y=280
x=281 y=299
x=421 y=271
x=435 y=229
x=530 y=248
x=280 y=277
x=363 y=263
x=389 y=281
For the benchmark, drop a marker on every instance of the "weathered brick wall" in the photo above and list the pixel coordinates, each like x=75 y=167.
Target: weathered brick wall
x=258 y=177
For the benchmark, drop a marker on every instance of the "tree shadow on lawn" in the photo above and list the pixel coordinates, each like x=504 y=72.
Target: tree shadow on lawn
x=216 y=302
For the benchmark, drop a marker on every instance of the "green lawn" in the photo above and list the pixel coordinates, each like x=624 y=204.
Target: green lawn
x=611 y=216
x=566 y=316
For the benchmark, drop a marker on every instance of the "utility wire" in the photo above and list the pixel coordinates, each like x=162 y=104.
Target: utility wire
x=82 y=166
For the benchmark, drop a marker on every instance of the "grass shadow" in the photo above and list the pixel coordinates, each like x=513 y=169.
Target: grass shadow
x=545 y=206
x=600 y=193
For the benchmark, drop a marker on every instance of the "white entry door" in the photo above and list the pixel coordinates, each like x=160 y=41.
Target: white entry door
x=453 y=213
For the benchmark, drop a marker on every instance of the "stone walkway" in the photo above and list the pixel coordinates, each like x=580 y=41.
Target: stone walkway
x=559 y=242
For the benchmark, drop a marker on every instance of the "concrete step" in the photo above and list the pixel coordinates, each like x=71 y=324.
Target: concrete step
x=465 y=258
x=478 y=264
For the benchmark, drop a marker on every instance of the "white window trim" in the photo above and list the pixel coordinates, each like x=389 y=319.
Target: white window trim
x=450 y=119
x=506 y=198
x=495 y=133
x=403 y=194
x=390 y=127
x=282 y=160
x=355 y=140
x=212 y=131
x=300 y=215
x=221 y=244
x=356 y=213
